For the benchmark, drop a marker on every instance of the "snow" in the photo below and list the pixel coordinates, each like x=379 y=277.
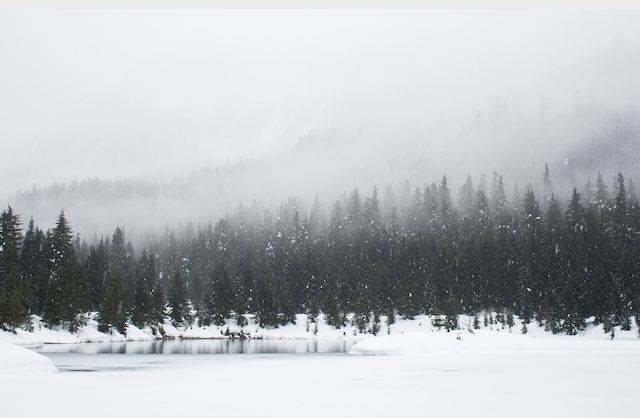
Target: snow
x=303 y=329
x=14 y=359
x=417 y=370
x=598 y=380
x=417 y=342
x=434 y=339
x=479 y=341
x=59 y=335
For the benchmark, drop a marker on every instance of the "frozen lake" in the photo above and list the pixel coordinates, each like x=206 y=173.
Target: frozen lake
x=514 y=376
x=130 y=355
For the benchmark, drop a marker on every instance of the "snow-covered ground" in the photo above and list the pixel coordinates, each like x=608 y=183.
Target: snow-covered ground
x=490 y=372
x=15 y=359
x=303 y=329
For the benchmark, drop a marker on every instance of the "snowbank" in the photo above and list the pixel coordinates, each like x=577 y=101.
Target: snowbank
x=484 y=338
x=414 y=342
x=59 y=335
x=14 y=359
x=302 y=329
x=496 y=338
x=442 y=341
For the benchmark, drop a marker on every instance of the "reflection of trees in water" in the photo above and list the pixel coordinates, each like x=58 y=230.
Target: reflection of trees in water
x=205 y=346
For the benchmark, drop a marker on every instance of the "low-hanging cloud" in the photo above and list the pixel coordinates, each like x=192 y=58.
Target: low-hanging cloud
x=137 y=94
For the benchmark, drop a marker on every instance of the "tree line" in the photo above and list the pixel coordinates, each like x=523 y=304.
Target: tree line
x=557 y=263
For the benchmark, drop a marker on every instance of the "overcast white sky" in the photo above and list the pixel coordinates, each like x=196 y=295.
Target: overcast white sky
x=111 y=94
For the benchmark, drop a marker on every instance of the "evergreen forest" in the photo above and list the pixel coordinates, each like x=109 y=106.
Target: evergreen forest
x=554 y=259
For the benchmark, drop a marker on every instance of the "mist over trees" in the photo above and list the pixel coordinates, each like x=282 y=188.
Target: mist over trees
x=545 y=255
x=581 y=119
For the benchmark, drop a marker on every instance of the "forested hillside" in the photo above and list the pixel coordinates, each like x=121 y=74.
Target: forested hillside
x=428 y=251
x=576 y=144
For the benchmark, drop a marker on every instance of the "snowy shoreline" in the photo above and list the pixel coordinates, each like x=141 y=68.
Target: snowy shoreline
x=302 y=330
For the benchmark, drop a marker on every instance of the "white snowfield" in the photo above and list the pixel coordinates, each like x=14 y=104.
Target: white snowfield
x=417 y=371
x=15 y=359
x=479 y=341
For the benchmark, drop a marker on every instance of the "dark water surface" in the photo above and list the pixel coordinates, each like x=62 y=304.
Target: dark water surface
x=249 y=346
x=140 y=355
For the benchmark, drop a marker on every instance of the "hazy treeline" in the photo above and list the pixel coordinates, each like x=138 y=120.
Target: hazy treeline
x=427 y=251
x=589 y=136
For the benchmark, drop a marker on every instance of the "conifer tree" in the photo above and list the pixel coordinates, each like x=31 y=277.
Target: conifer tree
x=621 y=212
x=143 y=310
x=317 y=223
x=547 y=187
x=481 y=213
x=284 y=304
x=576 y=272
x=196 y=291
x=530 y=272
x=158 y=300
x=332 y=312
x=466 y=198
x=354 y=214
x=96 y=268
x=414 y=221
x=313 y=310
x=445 y=199
x=451 y=311
x=408 y=292
x=599 y=265
x=35 y=268
x=626 y=270
x=118 y=250
x=375 y=326
x=178 y=302
x=589 y=195
x=67 y=287
x=373 y=215
x=264 y=303
x=601 y=195
x=224 y=294
x=114 y=311
x=575 y=212
x=14 y=305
